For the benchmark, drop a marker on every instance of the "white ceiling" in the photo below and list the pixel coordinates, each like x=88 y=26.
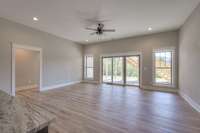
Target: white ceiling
x=68 y=18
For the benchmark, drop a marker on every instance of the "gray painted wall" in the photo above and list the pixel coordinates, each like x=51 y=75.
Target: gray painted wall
x=144 y=44
x=62 y=59
x=27 y=68
x=190 y=57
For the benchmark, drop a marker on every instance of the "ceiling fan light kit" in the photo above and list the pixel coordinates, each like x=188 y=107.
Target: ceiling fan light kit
x=99 y=30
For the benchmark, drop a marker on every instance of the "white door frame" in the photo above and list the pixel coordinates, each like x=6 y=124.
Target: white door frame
x=14 y=47
x=130 y=53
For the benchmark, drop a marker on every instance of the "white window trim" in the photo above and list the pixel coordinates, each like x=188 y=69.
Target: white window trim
x=173 y=50
x=85 y=68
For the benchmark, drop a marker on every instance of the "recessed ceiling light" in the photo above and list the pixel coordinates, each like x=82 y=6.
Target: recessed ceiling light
x=35 y=19
x=149 y=29
x=87 y=40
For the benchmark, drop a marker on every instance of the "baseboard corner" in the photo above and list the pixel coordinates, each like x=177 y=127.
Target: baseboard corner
x=59 y=85
x=189 y=100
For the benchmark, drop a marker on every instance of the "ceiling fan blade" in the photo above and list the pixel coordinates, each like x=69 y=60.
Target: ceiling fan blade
x=93 y=33
x=108 y=30
x=90 y=29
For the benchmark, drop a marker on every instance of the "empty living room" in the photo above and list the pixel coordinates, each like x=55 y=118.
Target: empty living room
x=99 y=66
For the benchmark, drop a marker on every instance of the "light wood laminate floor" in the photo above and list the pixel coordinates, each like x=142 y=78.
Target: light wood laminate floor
x=90 y=108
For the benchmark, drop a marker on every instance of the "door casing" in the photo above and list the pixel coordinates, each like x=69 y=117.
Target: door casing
x=15 y=46
x=128 y=54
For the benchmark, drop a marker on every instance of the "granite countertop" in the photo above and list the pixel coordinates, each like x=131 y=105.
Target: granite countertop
x=18 y=116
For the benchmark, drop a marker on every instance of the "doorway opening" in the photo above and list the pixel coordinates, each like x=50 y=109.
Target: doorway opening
x=121 y=70
x=26 y=68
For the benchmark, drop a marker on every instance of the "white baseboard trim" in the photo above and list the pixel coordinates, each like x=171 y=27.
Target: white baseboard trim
x=190 y=101
x=21 y=88
x=59 y=85
x=156 y=88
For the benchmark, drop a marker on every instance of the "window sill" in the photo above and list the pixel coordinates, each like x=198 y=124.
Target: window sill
x=158 y=88
x=89 y=79
x=163 y=85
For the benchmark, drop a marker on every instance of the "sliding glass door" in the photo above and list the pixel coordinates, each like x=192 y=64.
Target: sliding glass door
x=118 y=70
x=132 y=70
x=107 y=70
x=124 y=70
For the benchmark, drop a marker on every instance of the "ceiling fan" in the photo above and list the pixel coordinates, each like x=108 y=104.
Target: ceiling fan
x=99 y=30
